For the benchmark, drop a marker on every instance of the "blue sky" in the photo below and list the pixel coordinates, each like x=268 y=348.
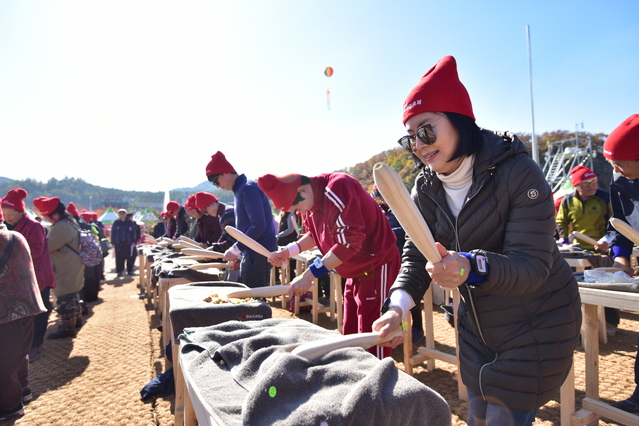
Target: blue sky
x=151 y=89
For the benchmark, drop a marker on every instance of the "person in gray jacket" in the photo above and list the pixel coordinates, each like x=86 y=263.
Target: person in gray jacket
x=491 y=212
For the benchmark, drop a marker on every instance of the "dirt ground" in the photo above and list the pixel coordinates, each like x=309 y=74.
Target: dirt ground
x=96 y=378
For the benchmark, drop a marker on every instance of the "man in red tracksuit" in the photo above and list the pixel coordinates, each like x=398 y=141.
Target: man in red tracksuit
x=352 y=234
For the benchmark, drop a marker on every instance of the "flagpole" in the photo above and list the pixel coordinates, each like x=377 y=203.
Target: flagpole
x=535 y=154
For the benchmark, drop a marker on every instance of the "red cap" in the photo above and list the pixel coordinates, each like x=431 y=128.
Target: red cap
x=46 y=205
x=72 y=209
x=94 y=216
x=439 y=90
x=167 y=214
x=1 y=216
x=85 y=215
x=190 y=203
x=172 y=206
x=623 y=143
x=219 y=165
x=580 y=174
x=204 y=199
x=282 y=190
x=15 y=199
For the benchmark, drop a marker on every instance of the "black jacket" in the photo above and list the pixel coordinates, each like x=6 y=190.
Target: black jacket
x=517 y=329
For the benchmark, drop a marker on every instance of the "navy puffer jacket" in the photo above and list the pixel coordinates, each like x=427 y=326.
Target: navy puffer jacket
x=517 y=329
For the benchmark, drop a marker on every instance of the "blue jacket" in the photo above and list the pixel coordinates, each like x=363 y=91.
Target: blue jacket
x=624 y=197
x=122 y=232
x=253 y=213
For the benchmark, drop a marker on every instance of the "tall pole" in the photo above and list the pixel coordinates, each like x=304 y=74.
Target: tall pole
x=535 y=154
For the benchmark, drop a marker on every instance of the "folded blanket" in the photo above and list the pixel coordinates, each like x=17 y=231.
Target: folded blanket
x=244 y=374
x=188 y=308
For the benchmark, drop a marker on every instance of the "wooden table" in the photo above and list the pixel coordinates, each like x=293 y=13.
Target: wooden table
x=593 y=409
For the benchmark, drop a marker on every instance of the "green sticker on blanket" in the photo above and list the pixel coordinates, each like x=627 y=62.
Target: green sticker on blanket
x=272 y=391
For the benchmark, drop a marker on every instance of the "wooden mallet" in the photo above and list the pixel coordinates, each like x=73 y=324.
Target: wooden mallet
x=248 y=241
x=585 y=238
x=319 y=348
x=625 y=229
x=204 y=253
x=268 y=291
x=398 y=199
x=219 y=265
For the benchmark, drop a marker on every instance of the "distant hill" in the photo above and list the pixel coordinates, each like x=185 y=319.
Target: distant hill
x=91 y=197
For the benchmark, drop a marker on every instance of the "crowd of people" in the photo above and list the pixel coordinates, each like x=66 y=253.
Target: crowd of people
x=484 y=199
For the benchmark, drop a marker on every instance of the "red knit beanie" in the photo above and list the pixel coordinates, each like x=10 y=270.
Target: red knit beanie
x=579 y=174
x=172 y=206
x=219 y=165
x=94 y=216
x=72 y=209
x=190 y=203
x=282 y=190
x=15 y=199
x=623 y=143
x=46 y=206
x=439 y=90
x=86 y=216
x=1 y=217
x=203 y=200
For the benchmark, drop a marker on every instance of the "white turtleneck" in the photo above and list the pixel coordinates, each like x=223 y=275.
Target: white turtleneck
x=457 y=184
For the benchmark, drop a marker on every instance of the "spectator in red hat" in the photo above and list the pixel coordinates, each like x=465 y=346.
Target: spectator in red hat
x=352 y=234
x=179 y=214
x=208 y=222
x=21 y=302
x=64 y=246
x=490 y=209
x=621 y=149
x=252 y=217
x=586 y=210
x=18 y=220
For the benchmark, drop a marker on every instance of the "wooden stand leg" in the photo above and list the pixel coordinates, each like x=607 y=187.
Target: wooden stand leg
x=408 y=343
x=567 y=397
x=180 y=388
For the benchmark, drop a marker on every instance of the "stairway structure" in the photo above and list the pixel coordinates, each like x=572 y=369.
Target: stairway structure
x=562 y=156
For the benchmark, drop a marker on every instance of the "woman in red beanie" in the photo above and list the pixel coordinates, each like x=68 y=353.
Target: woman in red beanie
x=64 y=246
x=490 y=209
x=17 y=220
x=621 y=149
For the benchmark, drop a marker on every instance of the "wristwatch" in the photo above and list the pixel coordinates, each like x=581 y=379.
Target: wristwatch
x=386 y=305
x=479 y=263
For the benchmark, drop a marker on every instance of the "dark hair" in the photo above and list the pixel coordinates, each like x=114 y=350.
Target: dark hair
x=305 y=181
x=470 y=139
x=62 y=211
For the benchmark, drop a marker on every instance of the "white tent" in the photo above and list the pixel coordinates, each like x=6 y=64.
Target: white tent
x=109 y=216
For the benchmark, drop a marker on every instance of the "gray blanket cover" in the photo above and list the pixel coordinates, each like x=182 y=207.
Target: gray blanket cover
x=244 y=374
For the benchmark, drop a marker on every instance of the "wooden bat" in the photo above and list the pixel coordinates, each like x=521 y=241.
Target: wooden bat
x=585 y=238
x=198 y=266
x=248 y=241
x=269 y=291
x=198 y=257
x=204 y=253
x=188 y=240
x=188 y=244
x=319 y=348
x=398 y=199
x=625 y=229
x=184 y=262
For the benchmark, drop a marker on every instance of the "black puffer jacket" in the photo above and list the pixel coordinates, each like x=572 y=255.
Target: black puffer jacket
x=517 y=329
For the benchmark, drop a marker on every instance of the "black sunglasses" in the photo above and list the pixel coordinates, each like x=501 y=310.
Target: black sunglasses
x=214 y=179
x=425 y=134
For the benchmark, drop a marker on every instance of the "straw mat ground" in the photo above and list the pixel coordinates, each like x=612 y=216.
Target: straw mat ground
x=96 y=378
